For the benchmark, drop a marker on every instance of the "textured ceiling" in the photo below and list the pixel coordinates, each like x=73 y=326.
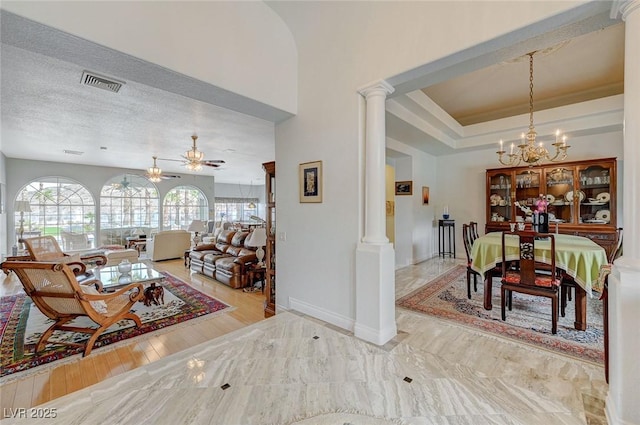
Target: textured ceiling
x=45 y=110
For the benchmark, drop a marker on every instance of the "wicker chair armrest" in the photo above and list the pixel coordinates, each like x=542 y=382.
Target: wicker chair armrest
x=77 y=267
x=98 y=259
x=133 y=296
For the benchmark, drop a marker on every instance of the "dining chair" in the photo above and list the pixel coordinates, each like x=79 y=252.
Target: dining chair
x=569 y=285
x=55 y=290
x=603 y=282
x=473 y=231
x=526 y=279
x=466 y=238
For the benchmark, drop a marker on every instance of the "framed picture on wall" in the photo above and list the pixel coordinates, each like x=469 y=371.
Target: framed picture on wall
x=310 y=175
x=404 y=188
x=425 y=195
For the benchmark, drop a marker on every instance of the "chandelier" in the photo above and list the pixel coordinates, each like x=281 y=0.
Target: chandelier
x=154 y=174
x=194 y=156
x=528 y=151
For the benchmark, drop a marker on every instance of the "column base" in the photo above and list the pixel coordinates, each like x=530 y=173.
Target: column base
x=375 y=293
x=624 y=342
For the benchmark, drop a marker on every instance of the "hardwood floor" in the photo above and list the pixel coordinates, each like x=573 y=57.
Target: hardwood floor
x=67 y=378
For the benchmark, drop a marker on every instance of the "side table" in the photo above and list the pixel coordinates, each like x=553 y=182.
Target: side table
x=447 y=246
x=255 y=274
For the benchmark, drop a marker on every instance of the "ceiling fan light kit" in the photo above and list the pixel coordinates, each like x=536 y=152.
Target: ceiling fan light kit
x=154 y=174
x=528 y=151
x=193 y=160
x=194 y=156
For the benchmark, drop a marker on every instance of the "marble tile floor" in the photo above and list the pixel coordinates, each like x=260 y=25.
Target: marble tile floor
x=293 y=369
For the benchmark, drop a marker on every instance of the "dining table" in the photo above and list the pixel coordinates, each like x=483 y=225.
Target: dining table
x=579 y=257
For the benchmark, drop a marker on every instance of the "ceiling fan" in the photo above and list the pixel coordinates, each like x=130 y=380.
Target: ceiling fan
x=154 y=173
x=194 y=160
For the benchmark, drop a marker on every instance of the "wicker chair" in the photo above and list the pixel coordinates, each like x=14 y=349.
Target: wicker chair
x=56 y=292
x=46 y=248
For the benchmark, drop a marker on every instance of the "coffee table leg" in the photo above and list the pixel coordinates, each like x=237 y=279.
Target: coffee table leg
x=488 y=283
x=581 y=308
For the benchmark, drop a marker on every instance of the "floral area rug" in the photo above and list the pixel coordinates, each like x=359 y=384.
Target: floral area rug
x=529 y=321
x=23 y=324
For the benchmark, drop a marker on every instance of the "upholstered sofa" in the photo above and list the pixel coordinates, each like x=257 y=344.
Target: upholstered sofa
x=168 y=244
x=227 y=260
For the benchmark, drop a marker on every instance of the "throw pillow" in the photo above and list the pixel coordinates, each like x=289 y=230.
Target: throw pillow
x=98 y=305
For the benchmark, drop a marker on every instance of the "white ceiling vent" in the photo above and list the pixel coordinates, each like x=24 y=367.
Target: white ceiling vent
x=102 y=82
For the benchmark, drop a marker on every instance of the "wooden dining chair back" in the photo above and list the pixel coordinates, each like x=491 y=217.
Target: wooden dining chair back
x=54 y=289
x=603 y=282
x=473 y=231
x=466 y=239
x=528 y=278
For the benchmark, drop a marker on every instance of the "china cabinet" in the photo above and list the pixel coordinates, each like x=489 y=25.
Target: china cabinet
x=580 y=198
x=270 y=255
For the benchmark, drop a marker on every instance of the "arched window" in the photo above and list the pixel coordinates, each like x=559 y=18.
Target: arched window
x=129 y=206
x=182 y=205
x=60 y=207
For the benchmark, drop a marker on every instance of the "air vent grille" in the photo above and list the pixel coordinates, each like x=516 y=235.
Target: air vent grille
x=101 y=82
x=72 y=152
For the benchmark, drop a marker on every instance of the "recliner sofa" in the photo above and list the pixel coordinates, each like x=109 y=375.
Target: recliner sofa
x=227 y=261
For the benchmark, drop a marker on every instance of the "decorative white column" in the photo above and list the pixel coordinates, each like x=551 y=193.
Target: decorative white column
x=375 y=224
x=375 y=257
x=624 y=282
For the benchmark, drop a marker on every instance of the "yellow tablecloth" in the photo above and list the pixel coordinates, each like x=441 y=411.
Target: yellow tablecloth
x=580 y=257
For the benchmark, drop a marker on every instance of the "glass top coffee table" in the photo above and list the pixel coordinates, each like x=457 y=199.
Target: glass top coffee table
x=112 y=279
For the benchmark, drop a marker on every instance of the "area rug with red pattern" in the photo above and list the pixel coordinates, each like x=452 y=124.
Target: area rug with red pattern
x=529 y=321
x=23 y=324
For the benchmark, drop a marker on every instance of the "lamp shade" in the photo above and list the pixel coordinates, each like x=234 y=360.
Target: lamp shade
x=258 y=237
x=23 y=206
x=197 y=226
x=256 y=218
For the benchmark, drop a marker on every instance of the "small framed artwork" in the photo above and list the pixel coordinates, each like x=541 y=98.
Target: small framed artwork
x=404 y=188
x=425 y=195
x=310 y=175
x=391 y=208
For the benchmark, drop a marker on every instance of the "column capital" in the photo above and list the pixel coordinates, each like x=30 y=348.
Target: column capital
x=623 y=8
x=376 y=88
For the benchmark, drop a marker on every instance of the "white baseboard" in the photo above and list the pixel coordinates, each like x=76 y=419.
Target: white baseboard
x=320 y=313
x=375 y=336
x=612 y=415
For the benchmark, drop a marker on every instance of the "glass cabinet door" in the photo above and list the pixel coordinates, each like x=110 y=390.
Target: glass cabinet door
x=500 y=198
x=595 y=183
x=527 y=191
x=562 y=197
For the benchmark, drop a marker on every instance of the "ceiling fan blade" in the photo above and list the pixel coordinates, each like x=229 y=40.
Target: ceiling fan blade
x=170 y=176
x=213 y=161
x=207 y=164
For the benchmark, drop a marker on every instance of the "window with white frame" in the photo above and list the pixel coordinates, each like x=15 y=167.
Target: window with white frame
x=129 y=206
x=182 y=205
x=237 y=209
x=59 y=207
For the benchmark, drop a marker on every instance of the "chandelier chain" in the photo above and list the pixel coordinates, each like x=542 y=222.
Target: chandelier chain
x=531 y=90
x=529 y=151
